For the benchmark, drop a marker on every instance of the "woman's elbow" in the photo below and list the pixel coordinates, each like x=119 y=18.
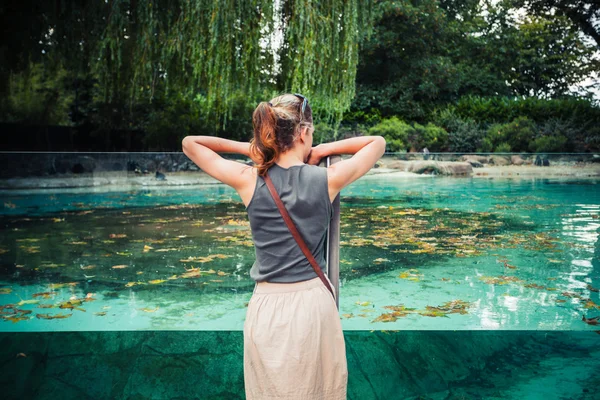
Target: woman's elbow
x=185 y=143
x=382 y=143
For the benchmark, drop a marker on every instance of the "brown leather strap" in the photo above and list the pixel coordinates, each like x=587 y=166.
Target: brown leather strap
x=295 y=233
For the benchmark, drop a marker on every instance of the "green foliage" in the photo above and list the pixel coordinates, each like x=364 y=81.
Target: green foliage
x=395 y=132
x=431 y=136
x=519 y=133
x=145 y=52
x=499 y=109
x=38 y=95
x=464 y=134
x=548 y=144
x=371 y=117
x=323 y=133
x=486 y=146
x=503 y=148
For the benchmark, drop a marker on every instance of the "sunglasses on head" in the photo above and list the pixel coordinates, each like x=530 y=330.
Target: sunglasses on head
x=304 y=103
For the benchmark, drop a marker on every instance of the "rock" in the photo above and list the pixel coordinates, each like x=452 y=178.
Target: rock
x=499 y=160
x=545 y=162
x=475 y=163
x=479 y=159
x=516 y=160
x=440 y=167
x=538 y=161
x=399 y=164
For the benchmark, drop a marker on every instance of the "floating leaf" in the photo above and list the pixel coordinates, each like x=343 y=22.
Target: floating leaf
x=117 y=235
x=23 y=302
x=15 y=319
x=5 y=290
x=150 y=310
x=380 y=260
x=130 y=284
x=53 y=316
x=44 y=295
x=71 y=305
x=156 y=281
x=119 y=266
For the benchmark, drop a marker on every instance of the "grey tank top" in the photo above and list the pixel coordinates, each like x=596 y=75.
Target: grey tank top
x=304 y=192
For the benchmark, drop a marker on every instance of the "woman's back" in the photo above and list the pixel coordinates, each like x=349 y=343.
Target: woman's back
x=304 y=192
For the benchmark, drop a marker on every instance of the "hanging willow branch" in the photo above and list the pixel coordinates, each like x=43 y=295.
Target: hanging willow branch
x=218 y=51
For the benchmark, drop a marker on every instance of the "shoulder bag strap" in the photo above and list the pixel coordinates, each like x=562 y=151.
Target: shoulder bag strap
x=295 y=233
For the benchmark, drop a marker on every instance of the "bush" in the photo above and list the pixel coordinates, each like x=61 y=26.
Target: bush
x=563 y=127
x=502 y=148
x=520 y=132
x=395 y=132
x=548 y=144
x=323 y=133
x=486 y=146
x=431 y=136
x=516 y=134
x=466 y=136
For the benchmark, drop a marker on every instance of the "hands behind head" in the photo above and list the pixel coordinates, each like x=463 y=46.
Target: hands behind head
x=315 y=155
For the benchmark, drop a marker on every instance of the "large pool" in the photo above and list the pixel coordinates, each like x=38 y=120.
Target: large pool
x=434 y=273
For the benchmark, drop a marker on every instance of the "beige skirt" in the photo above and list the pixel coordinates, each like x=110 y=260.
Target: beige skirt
x=294 y=346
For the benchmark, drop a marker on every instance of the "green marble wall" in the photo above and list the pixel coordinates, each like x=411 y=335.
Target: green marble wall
x=382 y=365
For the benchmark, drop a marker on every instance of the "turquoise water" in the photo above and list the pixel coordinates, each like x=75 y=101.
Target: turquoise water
x=451 y=288
x=426 y=253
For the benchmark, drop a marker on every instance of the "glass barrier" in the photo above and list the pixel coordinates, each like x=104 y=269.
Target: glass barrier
x=126 y=276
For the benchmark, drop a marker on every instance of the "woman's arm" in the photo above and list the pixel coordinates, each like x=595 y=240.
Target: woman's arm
x=202 y=150
x=366 y=149
x=345 y=146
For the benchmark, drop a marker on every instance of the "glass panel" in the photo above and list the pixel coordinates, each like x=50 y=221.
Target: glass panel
x=116 y=282
x=381 y=365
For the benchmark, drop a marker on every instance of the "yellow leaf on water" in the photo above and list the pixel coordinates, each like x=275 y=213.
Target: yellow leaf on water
x=119 y=266
x=130 y=284
x=156 y=281
x=146 y=309
x=5 y=290
x=53 y=286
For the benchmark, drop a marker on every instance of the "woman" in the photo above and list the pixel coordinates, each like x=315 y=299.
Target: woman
x=293 y=341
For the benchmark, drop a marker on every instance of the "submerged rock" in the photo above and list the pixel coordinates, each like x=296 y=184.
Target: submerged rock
x=433 y=167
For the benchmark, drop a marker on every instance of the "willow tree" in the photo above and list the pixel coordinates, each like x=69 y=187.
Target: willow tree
x=214 y=51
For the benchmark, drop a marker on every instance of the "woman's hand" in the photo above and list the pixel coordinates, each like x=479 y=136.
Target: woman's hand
x=315 y=155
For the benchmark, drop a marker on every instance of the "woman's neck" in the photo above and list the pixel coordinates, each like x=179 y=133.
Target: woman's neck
x=289 y=158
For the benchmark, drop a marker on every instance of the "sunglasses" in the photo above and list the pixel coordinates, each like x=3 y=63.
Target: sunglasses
x=304 y=103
